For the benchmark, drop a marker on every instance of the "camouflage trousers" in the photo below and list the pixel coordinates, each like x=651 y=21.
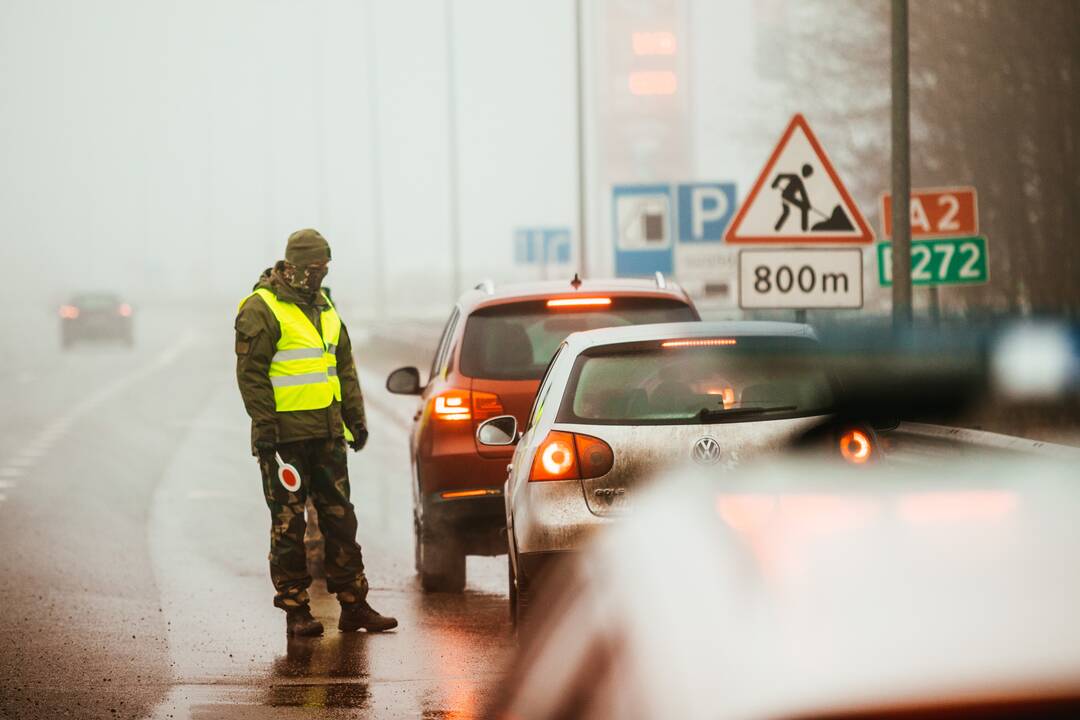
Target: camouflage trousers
x=324 y=478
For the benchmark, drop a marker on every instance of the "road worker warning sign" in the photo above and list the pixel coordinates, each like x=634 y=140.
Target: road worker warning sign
x=799 y=199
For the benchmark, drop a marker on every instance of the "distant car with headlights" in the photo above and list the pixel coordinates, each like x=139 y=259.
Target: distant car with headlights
x=811 y=589
x=96 y=316
x=494 y=349
x=619 y=405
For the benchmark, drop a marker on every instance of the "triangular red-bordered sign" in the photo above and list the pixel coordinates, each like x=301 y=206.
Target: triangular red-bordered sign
x=803 y=207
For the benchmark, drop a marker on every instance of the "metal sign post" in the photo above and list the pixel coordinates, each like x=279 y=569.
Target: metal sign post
x=901 y=168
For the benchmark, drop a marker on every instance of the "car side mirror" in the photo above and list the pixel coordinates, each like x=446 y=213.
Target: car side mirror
x=404 y=381
x=498 y=431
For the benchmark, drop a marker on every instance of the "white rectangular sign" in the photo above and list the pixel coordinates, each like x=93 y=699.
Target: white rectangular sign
x=778 y=278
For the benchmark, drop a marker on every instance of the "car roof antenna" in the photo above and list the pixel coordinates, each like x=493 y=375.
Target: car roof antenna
x=575 y=282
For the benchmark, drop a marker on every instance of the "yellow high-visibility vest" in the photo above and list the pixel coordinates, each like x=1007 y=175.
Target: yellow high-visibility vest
x=303 y=371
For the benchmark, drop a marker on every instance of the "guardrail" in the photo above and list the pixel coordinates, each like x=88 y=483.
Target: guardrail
x=938 y=441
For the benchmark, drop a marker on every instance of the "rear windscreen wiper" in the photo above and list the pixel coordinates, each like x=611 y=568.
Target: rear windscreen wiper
x=708 y=414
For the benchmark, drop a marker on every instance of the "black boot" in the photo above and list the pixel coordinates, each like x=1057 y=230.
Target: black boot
x=361 y=615
x=300 y=623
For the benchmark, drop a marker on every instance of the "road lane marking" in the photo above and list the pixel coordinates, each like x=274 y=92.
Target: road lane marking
x=56 y=429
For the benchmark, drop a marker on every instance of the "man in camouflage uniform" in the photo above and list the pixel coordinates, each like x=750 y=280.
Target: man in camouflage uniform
x=311 y=440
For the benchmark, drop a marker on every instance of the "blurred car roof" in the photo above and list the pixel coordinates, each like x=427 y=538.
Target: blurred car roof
x=818 y=589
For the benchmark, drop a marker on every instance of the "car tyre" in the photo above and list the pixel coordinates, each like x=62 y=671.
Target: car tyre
x=442 y=564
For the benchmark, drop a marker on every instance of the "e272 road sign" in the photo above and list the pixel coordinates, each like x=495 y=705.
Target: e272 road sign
x=943 y=261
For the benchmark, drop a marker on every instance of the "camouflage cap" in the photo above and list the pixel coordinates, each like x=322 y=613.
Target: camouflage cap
x=306 y=247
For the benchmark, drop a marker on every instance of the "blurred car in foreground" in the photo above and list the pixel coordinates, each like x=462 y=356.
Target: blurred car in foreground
x=96 y=316
x=820 y=590
x=494 y=349
x=619 y=405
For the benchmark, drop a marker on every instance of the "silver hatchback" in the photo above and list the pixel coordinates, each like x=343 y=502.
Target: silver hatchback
x=619 y=404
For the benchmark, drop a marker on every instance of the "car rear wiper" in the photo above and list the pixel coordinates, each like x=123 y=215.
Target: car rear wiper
x=707 y=414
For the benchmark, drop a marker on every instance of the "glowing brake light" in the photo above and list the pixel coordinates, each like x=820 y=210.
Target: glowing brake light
x=457 y=404
x=124 y=310
x=452 y=405
x=69 y=312
x=570 y=456
x=707 y=342
x=579 y=302
x=855 y=446
x=454 y=494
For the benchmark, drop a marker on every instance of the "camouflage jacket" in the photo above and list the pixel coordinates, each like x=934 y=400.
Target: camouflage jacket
x=257 y=335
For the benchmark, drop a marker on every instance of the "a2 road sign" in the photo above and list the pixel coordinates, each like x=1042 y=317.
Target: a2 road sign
x=800 y=278
x=942 y=261
x=937 y=212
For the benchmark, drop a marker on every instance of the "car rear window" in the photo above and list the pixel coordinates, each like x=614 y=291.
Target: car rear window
x=733 y=380
x=96 y=301
x=515 y=341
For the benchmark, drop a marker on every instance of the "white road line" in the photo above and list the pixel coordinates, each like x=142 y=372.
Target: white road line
x=54 y=430
x=39 y=446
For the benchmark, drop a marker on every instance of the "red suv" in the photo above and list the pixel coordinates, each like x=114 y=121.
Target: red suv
x=494 y=350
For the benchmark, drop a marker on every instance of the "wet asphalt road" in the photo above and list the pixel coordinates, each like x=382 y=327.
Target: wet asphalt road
x=134 y=580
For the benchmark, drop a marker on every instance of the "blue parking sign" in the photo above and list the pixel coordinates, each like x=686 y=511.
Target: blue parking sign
x=705 y=209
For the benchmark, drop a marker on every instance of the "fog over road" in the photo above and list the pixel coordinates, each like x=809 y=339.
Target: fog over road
x=136 y=581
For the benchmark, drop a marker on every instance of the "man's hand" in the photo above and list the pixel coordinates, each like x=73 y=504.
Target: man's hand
x=360 y=436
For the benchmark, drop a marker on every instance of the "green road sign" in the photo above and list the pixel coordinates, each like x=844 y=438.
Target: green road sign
x=946 y=261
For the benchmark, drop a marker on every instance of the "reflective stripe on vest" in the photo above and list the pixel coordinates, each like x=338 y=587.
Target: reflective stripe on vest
x=303 y=371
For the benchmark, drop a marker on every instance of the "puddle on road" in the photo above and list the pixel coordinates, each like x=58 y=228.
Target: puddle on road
x=318 y=695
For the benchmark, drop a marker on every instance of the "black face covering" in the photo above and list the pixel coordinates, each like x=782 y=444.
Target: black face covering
x=307 y=281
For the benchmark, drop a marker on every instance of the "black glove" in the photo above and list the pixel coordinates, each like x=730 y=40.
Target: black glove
x=266 y=443
x=360 y=435
x=265 y=450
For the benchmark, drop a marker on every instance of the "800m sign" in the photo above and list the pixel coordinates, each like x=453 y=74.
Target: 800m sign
x=799 y=279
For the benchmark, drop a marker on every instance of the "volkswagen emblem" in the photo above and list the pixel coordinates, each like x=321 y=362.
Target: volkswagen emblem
x=706 y=451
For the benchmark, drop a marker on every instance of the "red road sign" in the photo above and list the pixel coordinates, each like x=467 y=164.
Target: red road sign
x=799 y=199
x=937 y=212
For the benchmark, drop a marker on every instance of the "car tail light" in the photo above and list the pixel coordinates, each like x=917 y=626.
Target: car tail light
x=485 y=405
x=570 y=456
x=707 y=342
x=594 y=456
x=124 y=310
x=856 y=446
x=69 y=312
x=579 y=302
x=451 y=405
x=556 y=459
x=455 y=404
